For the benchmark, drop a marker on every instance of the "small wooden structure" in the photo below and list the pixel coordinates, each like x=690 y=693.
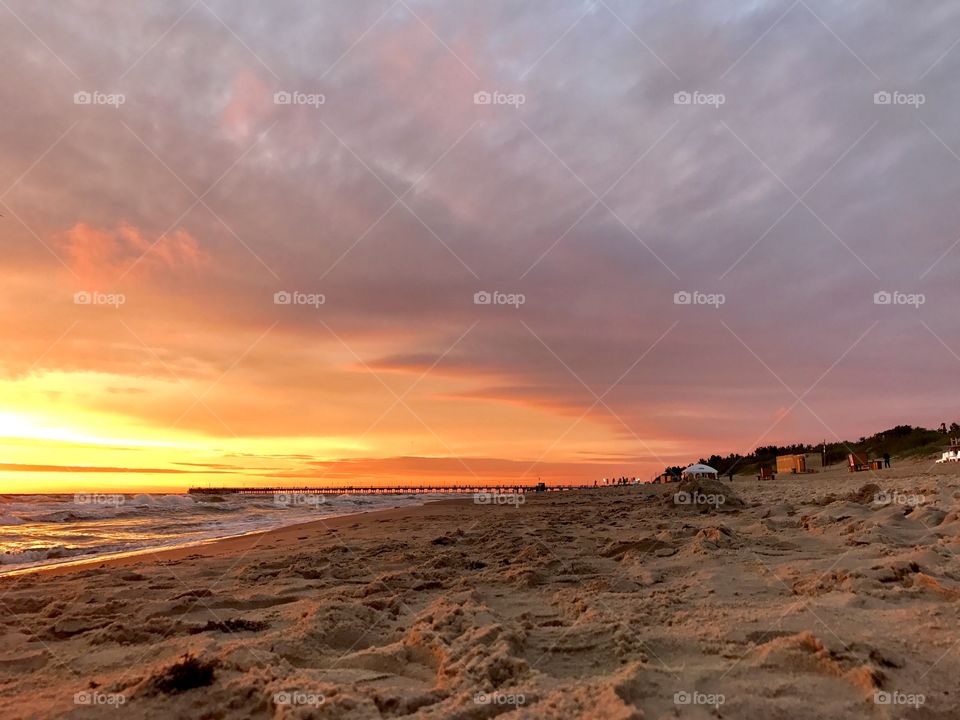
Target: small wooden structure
x=791 y=464
x=766 y=473
x=857 y=462
x=800 y=463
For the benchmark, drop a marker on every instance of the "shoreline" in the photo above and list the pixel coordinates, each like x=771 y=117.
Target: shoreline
x=211 y=547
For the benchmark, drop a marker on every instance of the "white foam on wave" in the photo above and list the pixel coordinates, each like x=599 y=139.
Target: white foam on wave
x=37 y=555
x=49 y=529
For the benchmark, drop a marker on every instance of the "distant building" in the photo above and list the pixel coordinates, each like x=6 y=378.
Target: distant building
x=799 y=463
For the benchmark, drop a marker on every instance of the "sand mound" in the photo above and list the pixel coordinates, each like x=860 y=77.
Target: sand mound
x=704 y=495
x=591 y=701
x=188 y=673
x=806 y=653
x=865 y=495
x=821 y=584
x=928 y=516
x=715 y=537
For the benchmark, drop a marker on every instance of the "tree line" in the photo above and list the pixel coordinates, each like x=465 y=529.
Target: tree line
x=899 y=441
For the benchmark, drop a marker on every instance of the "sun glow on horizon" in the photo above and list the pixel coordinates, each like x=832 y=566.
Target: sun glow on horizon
x=23 y=426
x=83 y=430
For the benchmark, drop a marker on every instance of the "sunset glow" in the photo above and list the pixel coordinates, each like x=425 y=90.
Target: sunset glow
x=347 y=251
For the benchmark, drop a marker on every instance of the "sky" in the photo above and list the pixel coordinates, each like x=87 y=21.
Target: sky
x=433 y=241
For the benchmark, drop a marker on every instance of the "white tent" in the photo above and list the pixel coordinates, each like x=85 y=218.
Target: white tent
x=699 y=471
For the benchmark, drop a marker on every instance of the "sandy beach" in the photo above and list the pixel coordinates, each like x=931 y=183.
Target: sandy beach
x=393 y=359
x=804 y=597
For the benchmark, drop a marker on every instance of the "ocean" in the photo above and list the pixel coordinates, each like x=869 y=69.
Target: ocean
x=42 y=530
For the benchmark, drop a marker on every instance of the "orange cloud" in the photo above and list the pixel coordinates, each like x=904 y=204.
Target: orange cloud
x=99 y=256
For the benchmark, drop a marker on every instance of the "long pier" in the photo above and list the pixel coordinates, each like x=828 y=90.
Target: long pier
x=385 y=490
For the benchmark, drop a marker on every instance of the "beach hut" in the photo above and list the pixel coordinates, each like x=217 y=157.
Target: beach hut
x=766 y=473
x=699 y=471
x=857 y=462
x=799 y=463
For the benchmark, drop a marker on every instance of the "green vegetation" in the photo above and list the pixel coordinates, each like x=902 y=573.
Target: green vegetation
x=901 y=441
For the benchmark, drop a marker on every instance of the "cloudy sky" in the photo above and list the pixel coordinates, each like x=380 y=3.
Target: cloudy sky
x=376 y=241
